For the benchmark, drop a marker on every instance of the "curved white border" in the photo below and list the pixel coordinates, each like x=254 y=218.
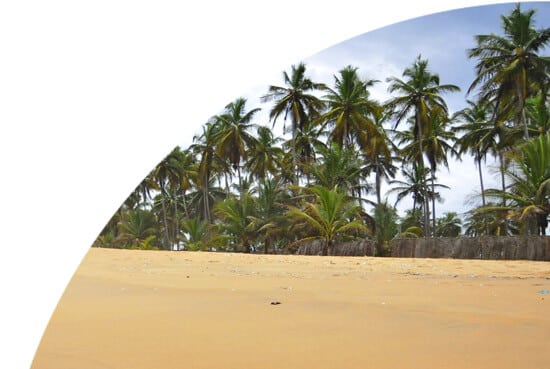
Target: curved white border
x=92 y=97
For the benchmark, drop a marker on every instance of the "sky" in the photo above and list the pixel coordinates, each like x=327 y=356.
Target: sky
x=443 y=39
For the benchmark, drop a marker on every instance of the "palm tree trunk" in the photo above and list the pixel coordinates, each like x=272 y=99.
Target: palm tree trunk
x=378 y=185
x=481 y=185
x=176 y=220
x=523 y=117
x=206 y=206
x=421 y=164
x=240 y=181
x=226 y=184
x=165 y=221
x=433 y=203
x=502 y=178
x=184 y=201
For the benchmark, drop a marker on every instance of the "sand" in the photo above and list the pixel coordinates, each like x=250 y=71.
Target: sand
x=166 y=310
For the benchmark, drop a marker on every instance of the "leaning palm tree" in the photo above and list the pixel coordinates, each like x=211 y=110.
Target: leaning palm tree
x=329 y=217
x=509 y=68
x=417 y=95
x=295 y=101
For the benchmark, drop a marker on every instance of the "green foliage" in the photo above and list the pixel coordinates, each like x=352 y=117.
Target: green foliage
x=386 y=220
x=331 y=216
x=449 y=225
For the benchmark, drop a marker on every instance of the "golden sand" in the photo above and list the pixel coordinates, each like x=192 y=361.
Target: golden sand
x=174 y=310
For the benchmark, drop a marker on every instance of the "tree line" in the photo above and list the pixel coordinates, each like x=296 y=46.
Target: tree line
x=241 y=187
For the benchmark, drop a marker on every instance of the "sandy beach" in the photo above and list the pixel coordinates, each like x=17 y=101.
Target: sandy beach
x=166 y=310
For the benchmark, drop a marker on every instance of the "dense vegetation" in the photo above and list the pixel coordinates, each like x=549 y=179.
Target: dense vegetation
x=240 y=187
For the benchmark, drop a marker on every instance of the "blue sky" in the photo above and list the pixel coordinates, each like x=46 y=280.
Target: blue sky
x=443 y=39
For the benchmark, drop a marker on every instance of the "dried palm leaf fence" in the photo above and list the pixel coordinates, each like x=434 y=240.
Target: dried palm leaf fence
x=486 y=247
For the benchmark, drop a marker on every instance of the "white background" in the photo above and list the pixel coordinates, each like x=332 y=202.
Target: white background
x=94 y=94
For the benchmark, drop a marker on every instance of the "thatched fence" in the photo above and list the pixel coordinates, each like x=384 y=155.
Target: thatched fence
x=354 y=248
x=487 y=247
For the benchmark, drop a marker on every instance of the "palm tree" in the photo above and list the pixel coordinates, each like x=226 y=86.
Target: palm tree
x=438 y=144
x=509 y=67
x=264 y=157
x=349 y=109
x=339 y=167
x=188 y=176
x=235 y=219
x=168 y=175
x=330 y=216
x=386 y=218
x=416 y=183
x=379 y=156
x=307 y=144
x=529 y=191
x=295 y=100
x=450 y=225
x=538 y=114
x=199 y=234
x=418 y=95
x=478 y=138
x=232 y=137
x=138 y=228
x=205 y=146
x=269 y=219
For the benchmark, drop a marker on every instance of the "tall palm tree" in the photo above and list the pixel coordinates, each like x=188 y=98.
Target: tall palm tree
x=379 y=154
x=168 y=175
x=232 y=137
x=349 y=109
x=295 y=101
x=478 y=136
x=205 y=147
x=509 y=68
x=330 y=216
x=418 y=94
x=416 y=183
x=438 y=145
